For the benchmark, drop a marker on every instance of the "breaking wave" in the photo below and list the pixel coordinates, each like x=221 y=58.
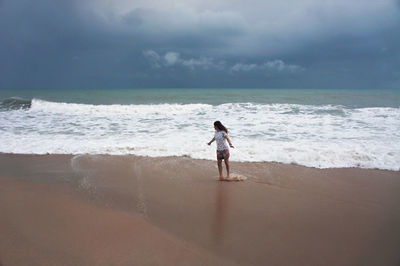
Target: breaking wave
x=322 y=136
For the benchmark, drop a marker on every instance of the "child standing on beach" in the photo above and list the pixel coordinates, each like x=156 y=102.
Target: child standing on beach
x=221 y=136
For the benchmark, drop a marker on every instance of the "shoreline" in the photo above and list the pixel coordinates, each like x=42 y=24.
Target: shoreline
x=126 y=209
x=188 y=157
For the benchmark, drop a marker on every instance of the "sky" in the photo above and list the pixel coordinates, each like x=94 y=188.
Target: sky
x=346 y=44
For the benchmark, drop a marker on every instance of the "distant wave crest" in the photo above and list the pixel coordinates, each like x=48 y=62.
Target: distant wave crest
x=14 y=103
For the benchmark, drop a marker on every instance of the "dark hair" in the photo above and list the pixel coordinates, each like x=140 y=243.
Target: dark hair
x=220 y=126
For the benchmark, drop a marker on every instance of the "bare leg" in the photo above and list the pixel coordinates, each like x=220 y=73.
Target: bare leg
x=227 y=169
x=219 y=162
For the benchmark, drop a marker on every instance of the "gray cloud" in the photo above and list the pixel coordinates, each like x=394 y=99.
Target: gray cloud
x=269 y=67
x=287 y=43
x=170 y=59
x=257 y=26
x=153 y=57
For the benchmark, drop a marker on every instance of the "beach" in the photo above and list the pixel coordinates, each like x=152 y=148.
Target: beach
x=134 y=210
x=115 y=116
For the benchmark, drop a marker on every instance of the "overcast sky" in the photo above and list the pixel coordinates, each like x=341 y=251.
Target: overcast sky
x=200 y=43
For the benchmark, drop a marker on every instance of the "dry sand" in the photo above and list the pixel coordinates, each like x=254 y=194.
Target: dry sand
x=128 y=210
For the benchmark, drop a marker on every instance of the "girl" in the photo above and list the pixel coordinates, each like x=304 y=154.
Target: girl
x=221 y=136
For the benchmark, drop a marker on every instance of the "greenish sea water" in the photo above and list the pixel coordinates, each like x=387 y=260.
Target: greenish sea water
x=349 y=98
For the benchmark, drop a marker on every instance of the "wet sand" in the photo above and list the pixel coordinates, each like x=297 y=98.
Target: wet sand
x=128 y=210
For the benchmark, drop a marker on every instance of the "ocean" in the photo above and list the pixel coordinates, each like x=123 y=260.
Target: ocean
x=315 y=128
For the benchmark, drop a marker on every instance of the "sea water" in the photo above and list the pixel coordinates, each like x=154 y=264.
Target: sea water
x=317 y=128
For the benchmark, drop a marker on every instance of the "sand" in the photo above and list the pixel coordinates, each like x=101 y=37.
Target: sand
x=129 y=210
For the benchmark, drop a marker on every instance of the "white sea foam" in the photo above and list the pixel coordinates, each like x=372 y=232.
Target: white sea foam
x=318 y=136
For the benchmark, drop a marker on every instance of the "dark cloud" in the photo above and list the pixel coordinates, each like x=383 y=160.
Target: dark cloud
x=62 y=44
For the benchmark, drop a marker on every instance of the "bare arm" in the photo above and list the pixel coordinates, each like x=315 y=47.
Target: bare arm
x=229 y=141
x=211 y=141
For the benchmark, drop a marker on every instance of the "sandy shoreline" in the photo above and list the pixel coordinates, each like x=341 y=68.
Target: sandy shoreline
x=129 y=210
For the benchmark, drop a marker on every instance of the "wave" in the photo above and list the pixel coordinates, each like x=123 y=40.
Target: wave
x=14 y=103
x=322 y=136
x=142 y=109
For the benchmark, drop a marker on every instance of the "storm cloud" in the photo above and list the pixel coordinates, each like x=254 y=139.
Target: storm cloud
x=126 y=44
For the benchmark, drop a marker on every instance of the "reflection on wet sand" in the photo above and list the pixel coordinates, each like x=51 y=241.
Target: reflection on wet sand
x=221 y=213
x=121 y=210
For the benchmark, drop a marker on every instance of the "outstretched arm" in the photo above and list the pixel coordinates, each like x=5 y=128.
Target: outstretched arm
x=229 y=141
x=211 y=141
